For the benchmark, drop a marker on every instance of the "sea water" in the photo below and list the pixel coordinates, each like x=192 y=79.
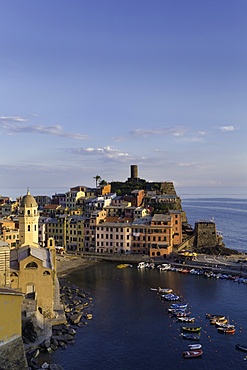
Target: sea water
x=131 y=328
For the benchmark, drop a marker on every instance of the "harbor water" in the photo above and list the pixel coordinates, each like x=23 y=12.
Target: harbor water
x=131 y=328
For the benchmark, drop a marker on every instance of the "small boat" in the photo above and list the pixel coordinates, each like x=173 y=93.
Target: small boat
x=123 y=265
x=164 y=267
x=190 y=336
x=193 y=353
x=229 y=329
x=221 y=323
x=171 y=297
x=194 y=346
x=89 y=316
x=141 y=265
x=179 y=306
x=218 y=320
x=165 y=290
x=186 y=319
x=179 y=314
x=212 y=316
x=191 y=329
x=241 y=347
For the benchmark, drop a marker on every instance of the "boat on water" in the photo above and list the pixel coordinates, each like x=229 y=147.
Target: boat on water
x=141 y=265
x=164 y=267
x=212 y=316
x=180 y=314
x=241 y=347
x=191 y=329
x=192 y=353
x=123 y=265
x=228 y=329
x=170 y=297
x=221 y=323
x=176 y=309
x=186 y=319
x=190 y=336
x=165 y=290
x=179 y=305
x=194 y=346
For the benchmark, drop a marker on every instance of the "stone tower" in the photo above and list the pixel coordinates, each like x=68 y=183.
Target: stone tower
x=28 y=221
x=205 y=234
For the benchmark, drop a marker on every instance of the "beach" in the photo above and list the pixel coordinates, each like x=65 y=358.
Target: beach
x=67 y=263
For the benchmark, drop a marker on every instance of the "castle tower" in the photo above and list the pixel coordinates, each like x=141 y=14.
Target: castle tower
x=134 y=172
x=28 y=221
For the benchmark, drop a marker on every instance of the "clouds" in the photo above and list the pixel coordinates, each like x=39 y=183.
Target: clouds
x=13 y=125
x=165 y=131
x=228 y=128
x=107 y=152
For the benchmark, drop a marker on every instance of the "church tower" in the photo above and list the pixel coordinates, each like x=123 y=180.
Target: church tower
x=28 y=221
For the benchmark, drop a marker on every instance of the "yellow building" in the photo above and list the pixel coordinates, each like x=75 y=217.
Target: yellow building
x=33 y=268
x=12 y=354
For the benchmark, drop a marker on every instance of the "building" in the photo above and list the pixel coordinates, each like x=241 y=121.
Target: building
x=113 y=237
x=4 y=264
x=12 y=353
x=33 y=268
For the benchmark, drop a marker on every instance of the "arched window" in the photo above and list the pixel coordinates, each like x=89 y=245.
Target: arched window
x=46 y=272
x=28 y=228
x=28 y=212
x=14 y=274
x=31 y=265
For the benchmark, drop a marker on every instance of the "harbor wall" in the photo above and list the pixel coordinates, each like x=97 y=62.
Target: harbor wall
x=12 y=355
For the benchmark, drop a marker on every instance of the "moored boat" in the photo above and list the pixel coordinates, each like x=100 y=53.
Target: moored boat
x=165 y=290
x=171 y=297
x=212 y=316
x=186 y=319
x=229 y=329
x=221 y=323
x=141 y=265
x=191 y=329
x=194 y=346
x=190 y=336
x=192 y=353
x=123 y=265
x=179 y=305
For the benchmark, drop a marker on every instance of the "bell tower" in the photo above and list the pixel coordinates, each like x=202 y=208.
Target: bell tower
x=28 y=221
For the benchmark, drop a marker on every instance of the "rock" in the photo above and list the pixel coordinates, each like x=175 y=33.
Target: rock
x=45 y=366
x=75 y=319
x=72 y=331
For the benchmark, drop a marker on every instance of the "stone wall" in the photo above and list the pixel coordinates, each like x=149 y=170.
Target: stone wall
x=205 y=234
x=12 y=355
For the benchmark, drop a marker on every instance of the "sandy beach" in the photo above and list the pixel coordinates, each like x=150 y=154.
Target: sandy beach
x=66 y=264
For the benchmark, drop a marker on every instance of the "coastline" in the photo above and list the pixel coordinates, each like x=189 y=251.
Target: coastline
x=67 y=264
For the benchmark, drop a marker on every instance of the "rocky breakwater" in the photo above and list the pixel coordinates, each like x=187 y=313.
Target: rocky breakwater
x=78 y=310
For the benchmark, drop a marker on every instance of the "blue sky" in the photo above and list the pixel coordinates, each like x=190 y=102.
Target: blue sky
x=90 y=87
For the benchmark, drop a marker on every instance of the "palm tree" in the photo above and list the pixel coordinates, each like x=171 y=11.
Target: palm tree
x=97 y=179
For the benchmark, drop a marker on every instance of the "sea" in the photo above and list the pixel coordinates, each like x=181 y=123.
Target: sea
x=131 y=327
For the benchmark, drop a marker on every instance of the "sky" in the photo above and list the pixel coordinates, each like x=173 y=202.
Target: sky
x=91 y=87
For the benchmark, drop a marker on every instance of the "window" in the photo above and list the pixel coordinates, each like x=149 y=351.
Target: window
x=31 y=265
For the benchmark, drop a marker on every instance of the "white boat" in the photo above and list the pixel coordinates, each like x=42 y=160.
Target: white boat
x=165 y=290
x=186 y=319
x=141 y=265
x=194 y=346
x=164 y=267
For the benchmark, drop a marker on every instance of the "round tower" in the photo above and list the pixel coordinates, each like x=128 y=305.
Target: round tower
x=28 y=221
x=134 y=172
